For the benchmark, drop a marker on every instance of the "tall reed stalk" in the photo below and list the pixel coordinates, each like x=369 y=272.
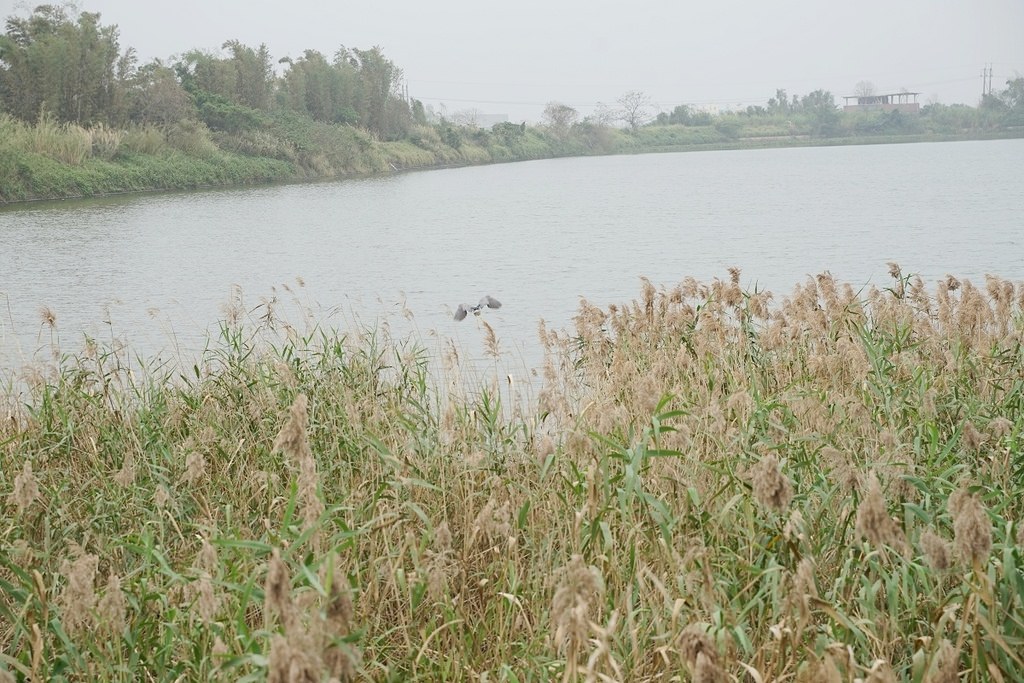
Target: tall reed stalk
x=715 y=484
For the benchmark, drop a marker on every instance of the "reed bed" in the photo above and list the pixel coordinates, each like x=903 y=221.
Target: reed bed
x=713 y=485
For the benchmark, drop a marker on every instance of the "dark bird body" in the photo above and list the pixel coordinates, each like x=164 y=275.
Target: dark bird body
x=465 y=309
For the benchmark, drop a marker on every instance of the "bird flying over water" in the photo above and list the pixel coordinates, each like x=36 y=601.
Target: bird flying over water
x=465 y=309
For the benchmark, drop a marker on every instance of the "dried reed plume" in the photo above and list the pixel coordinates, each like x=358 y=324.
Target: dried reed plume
x=112 y=607
x=573 y=608
x=195 y=468
x=277 y=593
x=972 y=438
x=341 y=659
x=491 y=341
x=26 y=488
x=161 y=497
x=291 y=660
x=125 y=476
x=945 y=665
x=936 y=551
x=1000 y=427
x=701 y=657
x=804 y=588
x=771 y=488
x=440 y=563
x=972 y=529
x=48 y=317
x=206 y=559
x=205 y=596
x=79 y=595
x=293 y=441
x=819 y=670
x=873 y=520
x=880 y=672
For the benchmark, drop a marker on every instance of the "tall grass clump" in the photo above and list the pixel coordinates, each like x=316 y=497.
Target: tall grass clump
x=64 y=142
x=714 y=484
x=149 y=140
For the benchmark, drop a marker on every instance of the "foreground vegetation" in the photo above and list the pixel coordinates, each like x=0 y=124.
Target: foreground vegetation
x=79 y=116
x=708 y=485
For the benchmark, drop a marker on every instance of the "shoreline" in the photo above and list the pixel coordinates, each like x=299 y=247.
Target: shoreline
x=762 y=142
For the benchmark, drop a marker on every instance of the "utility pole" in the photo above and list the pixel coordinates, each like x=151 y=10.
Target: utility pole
x=986 y=80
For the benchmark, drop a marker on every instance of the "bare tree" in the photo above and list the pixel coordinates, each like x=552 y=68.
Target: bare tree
x=602 y=116
x=467 y=117
x=864 y=89
x=559 y=118
x=635 y=109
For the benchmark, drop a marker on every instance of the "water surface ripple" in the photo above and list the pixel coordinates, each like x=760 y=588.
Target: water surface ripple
x=537 y=235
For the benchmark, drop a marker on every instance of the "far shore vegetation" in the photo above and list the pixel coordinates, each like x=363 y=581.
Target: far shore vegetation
x=80 y=116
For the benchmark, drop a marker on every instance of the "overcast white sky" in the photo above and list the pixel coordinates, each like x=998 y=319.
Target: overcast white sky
x=513 y=57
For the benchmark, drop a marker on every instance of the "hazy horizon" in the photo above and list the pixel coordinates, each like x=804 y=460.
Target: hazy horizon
x=513 y=59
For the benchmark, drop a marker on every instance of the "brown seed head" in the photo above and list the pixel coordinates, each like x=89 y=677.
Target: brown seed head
x=945 y=665
x=277 y=591
x=699 y=654
x=491 y=345
x=195 y=468
x=291 y=440
x=1000 y=427
x=936 y=551
x=112 y=607
x=972 y=531
x=873 y=520
x=126 y=475
x=575 y=599
x=207 y=602
x=48 y=317
x=161 y=497
x=880 y=672
x=770 y=487
x=820 y=670
x=972 y=438
x=206 y=558
x=26 y=488
x=79 y=596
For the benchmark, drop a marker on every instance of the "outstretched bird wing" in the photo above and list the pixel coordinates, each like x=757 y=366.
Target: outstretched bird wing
x=490 y=302
x=461 y=312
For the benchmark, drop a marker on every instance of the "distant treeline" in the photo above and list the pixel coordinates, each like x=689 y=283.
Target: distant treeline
x=79 y=115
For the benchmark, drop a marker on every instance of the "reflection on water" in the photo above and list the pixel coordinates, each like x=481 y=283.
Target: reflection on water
x=157 y=269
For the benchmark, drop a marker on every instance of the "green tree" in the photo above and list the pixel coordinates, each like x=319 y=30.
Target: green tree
x=253 y=75
x=245 y=78
x=323 y=91
x=69 y=68
x=686 y=115
x=1013 y=99
x=381 y=110
x=154 y=95
x=780 y=103
x=822 y=114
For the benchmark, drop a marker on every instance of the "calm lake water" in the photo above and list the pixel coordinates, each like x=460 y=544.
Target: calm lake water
x=156 y=270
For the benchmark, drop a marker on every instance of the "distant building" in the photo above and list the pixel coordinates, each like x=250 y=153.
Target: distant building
x=900 y=101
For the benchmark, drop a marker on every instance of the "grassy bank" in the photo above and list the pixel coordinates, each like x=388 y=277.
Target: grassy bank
x=58 y=161
x=711 y=485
